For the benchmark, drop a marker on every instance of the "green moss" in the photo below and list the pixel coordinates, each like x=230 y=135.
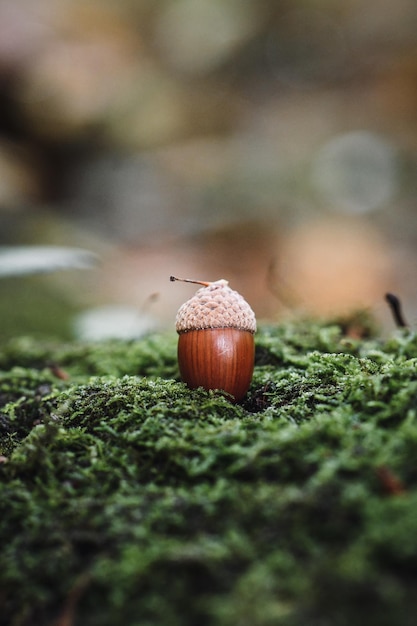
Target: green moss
x=29 y=305
x=128 y=499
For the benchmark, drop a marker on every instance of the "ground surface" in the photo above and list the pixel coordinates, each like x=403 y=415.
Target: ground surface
x=126 y=498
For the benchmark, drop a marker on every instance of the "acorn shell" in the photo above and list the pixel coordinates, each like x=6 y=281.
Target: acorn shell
x=216 y=348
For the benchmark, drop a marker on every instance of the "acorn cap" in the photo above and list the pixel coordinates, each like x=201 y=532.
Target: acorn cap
x=215 y=306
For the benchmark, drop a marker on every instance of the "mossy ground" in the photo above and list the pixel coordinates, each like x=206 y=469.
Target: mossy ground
x=128 y=499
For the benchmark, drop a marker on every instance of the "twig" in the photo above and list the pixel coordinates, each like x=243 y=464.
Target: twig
x=396 y=310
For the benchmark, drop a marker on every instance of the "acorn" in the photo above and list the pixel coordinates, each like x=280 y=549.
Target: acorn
x=216 y=348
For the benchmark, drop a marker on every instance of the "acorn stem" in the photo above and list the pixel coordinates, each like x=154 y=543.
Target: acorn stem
x=189 y=280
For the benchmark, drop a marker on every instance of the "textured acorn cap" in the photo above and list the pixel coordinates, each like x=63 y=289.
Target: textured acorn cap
x=215 y=306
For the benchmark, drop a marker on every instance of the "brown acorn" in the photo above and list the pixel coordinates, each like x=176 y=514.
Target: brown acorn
x=216 y=348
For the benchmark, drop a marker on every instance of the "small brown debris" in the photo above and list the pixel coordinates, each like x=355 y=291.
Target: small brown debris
x=391 y=484
x=58 y=371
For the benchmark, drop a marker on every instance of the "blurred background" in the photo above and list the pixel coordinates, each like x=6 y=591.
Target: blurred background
x=269 y=142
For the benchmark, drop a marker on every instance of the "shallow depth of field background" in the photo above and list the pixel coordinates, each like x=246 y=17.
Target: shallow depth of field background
x=271 y=143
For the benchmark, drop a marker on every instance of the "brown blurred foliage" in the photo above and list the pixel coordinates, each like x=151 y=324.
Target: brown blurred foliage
x=269 y=143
